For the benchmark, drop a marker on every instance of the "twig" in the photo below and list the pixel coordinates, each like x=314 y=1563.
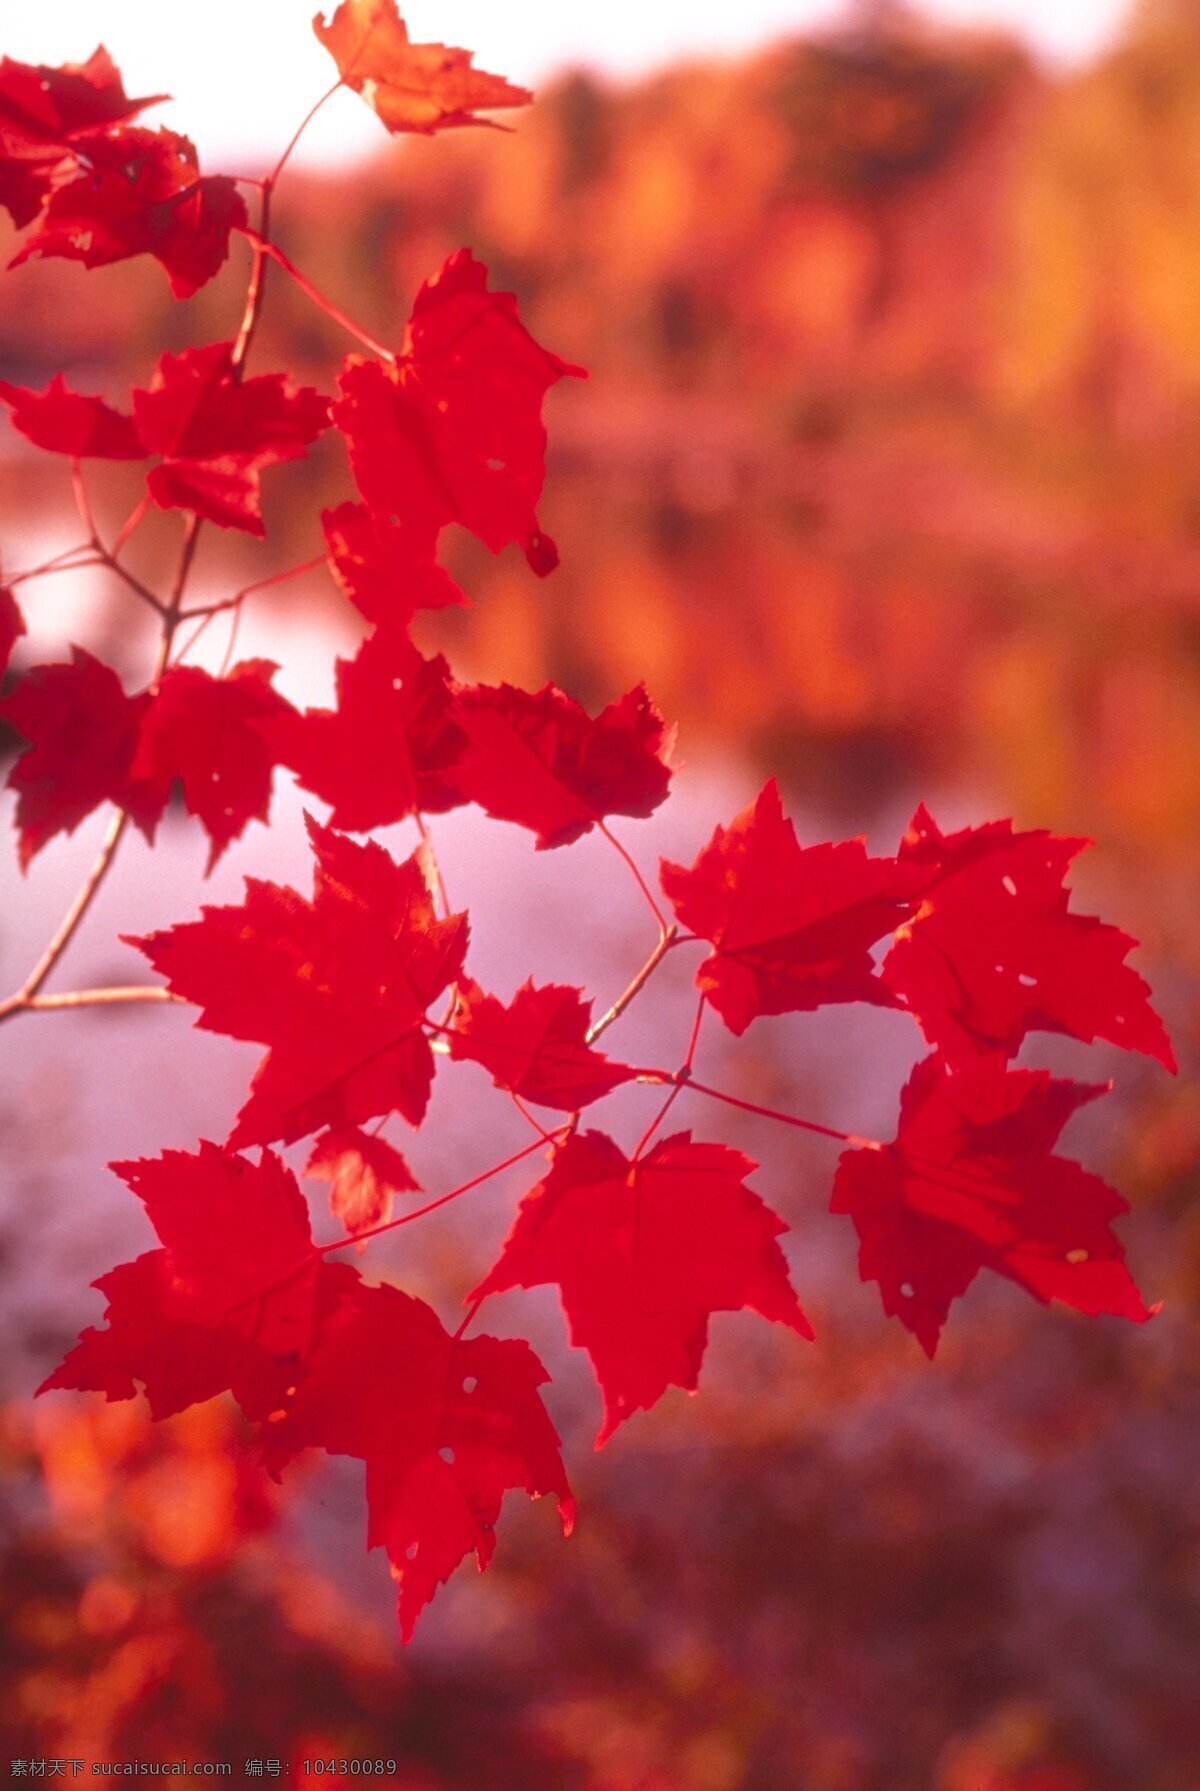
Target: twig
x=669 y=938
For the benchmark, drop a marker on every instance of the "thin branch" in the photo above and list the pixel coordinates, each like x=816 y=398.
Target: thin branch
x=281 y=164
x=668 y=939
x=131 y=524
x=682 y=1078
x=318 y=298
x=442 y=1200
x=260 y=584
x=66 y=928
x=657 y=912
x=785 y=1119
x=107 y=997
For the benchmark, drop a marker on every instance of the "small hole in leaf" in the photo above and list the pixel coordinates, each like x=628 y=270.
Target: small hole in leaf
x=447 y=1454
x=1027 y=982
x=470 y=1384
x=1009 y=885
x=494 y=465
x=1077 y=1255
x=410 y=1553
x=907 y=1291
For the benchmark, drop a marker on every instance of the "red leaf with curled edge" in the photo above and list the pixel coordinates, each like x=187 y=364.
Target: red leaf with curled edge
x=792 y=925
x=643 y=1253
x=217 y=433
x=386 y=568
x=12 y=626
x=68 y=423
x=536 y=1046
x=453 y=432
x=540 y=760
x=53 y=106
x=140 y=192
x=387 y=749
x=211 y=734
x=412 y=87
x=83 y=732
x=363 y=1172
x=235 y=1299
x=994 y=953
x=43 y=111
x=445 y=1425
x=970 y=1183
x=336 y=988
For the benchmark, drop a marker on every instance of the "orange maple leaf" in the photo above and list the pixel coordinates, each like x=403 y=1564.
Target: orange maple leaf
x=413 y=87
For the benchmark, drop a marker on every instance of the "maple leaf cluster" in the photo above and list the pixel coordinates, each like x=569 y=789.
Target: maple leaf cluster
x=359 y=991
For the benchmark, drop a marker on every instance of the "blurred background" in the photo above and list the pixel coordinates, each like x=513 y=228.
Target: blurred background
x=886 y=480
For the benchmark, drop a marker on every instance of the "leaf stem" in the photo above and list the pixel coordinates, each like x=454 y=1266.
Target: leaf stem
x=682 y=1077
x=431 y=1206
x=635 y=987
x=106 y=997
x=281 y=164
x=657 y=912
x=318 y=298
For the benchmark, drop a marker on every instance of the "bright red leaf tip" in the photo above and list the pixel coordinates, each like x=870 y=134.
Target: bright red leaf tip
x=387 y=750
x=536 y=1046
x=83 y=733
x=412 y=87
x=993 y=952
x=386 y=569
x=453 y=432
x=235 y=1298
x=211 y=734
x=69 y=423
x=540 y=760
x=336 y=989
x=12 y=626
x=363 y=1172
x=642 y=1254
x=445 y=1425
x=970 y=1183
x=140 y=192
x=216 y=434
x=792 y=925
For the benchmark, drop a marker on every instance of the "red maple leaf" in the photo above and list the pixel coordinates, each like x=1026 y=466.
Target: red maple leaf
x=539 y=759
x=83 y=732
x=363 y=1172
x=643 y=1252
x=792 y=925
x=386 y=569
x=336 y=989
x=453 y=432
x=235 y=1299
x=994 y=953
x=536 y=1046
x=217 y=433
x=52 y=106
x=446 y=1426
x=970 y=1183
x=68 y=423
x=43 y=111
x=211 y=734
x=412 y=87
x=386 y=751
x=140 y=192
x=12 y=626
